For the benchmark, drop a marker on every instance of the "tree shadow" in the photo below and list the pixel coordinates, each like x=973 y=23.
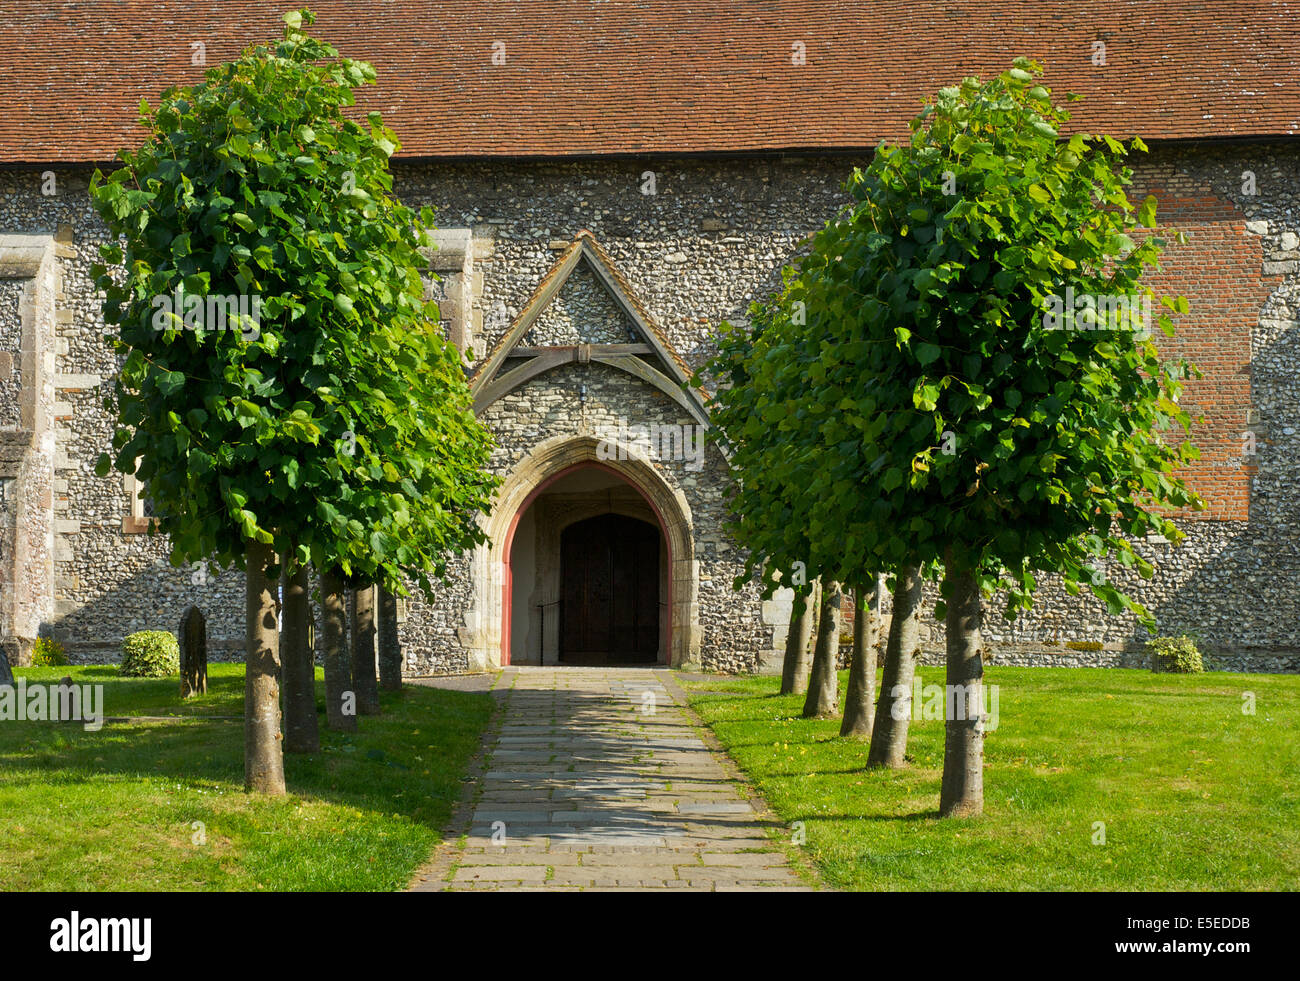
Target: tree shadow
x=409 y=762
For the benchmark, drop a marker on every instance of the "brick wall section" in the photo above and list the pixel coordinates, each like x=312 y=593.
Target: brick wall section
x=1219 y=271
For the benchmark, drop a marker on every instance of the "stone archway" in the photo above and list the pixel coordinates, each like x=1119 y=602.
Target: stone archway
x=486 y=633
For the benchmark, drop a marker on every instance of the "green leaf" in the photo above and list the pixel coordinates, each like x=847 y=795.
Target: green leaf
x=246 y=412
x=927 y=353
x=1147 y=212
x=170 y=382
x=926 y=396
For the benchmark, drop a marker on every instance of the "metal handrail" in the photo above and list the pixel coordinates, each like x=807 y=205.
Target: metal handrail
x=541 y=633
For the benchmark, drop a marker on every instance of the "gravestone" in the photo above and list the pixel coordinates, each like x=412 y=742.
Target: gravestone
x=193 y=637
x=65 y=696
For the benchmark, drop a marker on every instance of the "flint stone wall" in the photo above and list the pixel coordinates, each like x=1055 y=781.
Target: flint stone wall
x=712 y=239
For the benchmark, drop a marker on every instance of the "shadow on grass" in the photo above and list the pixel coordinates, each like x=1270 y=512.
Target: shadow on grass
x=927 y=815
x=409 y=761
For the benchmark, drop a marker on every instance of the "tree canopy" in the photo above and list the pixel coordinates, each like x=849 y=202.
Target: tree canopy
x=915 y=392
x=330 y=418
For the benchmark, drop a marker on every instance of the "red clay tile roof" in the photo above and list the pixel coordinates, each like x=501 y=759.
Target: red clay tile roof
x=592 y=77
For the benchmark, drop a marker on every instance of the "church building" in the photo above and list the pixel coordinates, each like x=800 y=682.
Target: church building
x=611 y=181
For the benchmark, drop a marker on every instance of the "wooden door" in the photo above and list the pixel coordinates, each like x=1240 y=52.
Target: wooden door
x=609 y=569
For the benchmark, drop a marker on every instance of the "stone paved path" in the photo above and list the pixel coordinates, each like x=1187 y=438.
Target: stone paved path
x=596 y=779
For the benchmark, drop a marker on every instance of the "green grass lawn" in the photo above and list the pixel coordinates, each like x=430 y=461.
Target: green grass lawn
x=116 y=809
x=1194 y=794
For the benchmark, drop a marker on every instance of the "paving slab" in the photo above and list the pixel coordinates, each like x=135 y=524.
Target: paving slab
x=600 y=779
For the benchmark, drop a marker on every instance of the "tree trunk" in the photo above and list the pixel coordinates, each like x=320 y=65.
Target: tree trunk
x=962 y=792
x=894 y=710
x=390 y=647
x=860 y=702
x=824 y=682
x=364 y=679
x=301 y=729
x=263 y=751
x=795 y=666
x=340 y=699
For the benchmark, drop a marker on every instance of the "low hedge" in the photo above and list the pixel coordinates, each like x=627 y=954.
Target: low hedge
x=1176 y=655
x=150 y=654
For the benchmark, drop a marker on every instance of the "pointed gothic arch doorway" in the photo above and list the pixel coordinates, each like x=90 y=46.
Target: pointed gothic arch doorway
x=585 y=572
x=510 y=627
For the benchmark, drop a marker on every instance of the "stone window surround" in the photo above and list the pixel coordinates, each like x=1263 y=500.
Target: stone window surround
x=135 y=522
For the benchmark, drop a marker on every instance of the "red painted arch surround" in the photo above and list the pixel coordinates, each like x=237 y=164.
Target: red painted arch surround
x=507 y=580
